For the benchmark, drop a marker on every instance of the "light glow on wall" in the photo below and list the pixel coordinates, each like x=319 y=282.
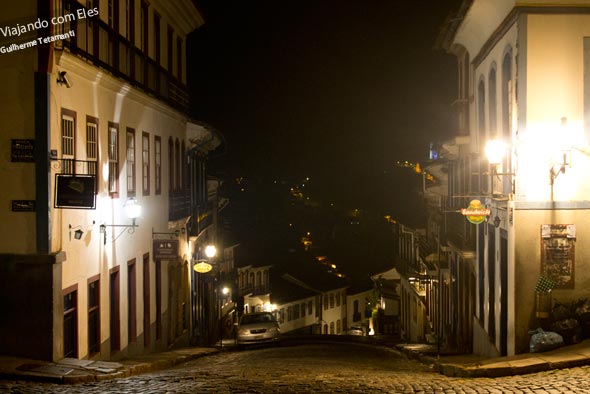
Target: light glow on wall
x=543 y=148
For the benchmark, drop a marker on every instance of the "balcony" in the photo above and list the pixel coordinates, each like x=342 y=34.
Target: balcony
x=179 y=205
x=100 y=44
x=253 y=290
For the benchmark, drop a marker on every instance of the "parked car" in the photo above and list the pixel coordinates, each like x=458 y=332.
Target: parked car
x=355 y=330
x=258 y=327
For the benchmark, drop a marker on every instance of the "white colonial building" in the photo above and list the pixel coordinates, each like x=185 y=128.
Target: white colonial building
x=524 y=83
x=93 y=122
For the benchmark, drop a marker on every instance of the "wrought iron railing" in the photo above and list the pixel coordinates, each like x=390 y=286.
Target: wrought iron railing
x=179 y=205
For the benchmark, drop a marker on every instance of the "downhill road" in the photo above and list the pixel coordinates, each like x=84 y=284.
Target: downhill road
x=315 y=368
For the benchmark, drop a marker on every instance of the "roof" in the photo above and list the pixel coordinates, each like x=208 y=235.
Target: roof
x=449 y=28
x=284 y=291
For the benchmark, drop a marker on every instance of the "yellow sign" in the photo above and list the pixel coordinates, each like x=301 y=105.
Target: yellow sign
x=475 y=212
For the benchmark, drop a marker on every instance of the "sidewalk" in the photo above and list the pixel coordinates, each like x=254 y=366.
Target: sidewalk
x=478 y=366
x=71 y=370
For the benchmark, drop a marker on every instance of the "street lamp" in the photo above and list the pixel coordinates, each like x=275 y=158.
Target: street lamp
x=210 y=251
x=132 y=210
x=203 y=266
x=495 y=151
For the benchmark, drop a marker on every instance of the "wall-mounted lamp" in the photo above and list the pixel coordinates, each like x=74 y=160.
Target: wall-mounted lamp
x=63 y=79
x=210 y=251
x=202 y=265
x=132 y=210
x=555 y=170
x=559 y=168
x=77 y=233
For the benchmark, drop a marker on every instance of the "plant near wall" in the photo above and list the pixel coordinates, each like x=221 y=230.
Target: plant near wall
x=571 y=319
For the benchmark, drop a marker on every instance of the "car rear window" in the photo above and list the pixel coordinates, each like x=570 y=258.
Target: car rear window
x=257 y=318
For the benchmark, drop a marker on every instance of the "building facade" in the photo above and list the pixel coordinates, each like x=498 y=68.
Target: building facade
x=96 y=121
x=524 y=84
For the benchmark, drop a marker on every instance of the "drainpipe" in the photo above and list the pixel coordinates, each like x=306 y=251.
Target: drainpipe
x=43 y=135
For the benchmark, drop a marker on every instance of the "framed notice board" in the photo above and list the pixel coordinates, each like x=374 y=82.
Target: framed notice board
x=558 y=254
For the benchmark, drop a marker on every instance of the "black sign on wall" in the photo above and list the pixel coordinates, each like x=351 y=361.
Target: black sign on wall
x=23 y=205
x=22 y=151
x=75 y=191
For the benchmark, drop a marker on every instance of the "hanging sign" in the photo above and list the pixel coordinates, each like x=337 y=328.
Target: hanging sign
x=75 y=191
x=475 y=212
x=165 y=249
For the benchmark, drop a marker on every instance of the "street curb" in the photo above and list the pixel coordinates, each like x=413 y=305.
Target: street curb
x=130 y=368
x=500 y=369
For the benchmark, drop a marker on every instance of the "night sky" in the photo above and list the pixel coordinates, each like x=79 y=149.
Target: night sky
x=337 y=91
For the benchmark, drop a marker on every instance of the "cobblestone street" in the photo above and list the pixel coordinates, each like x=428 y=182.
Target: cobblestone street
x=321 y=368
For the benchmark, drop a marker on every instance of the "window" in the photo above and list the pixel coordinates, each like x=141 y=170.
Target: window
x=338 y=326
x=113 y=158
x=310 y=307
x=92 y=145
x=144 y=27
x=68 y=146
x=158 y=163
x=179 y=58
x=171 y=184
x=177 y=185
x=338 y=299
x=295 y=311
x=145 y=163
x=331 y=328
x=110 y=12
x=265 y=280
x=289 y=313
x=181 y=168
x=492 y=102
x=157 y=37
x=170 y=49
x=481 y=115
x=325 y=302
x=331 y=300
x=481 y=95
x=93 y=316
x=130 y=162
x=303 y=309
x=130 y=21
x=130 y=26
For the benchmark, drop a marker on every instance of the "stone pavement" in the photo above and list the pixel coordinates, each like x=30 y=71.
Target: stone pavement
x=82 y=371
x=473 y=366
